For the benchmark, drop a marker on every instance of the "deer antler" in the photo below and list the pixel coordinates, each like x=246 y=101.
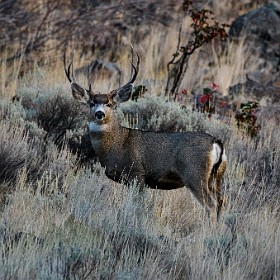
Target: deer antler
x=134 y=69
x=71 y=76
x=71 y=65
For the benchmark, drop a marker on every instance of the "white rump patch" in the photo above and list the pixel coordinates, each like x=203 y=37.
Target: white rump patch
x=95 y=127
x=216 y=153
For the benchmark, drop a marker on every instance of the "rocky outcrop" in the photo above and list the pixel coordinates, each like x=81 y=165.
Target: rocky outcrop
x=253 y=90
x=260 y=29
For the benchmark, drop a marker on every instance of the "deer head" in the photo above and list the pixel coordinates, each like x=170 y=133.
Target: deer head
x=101 y=104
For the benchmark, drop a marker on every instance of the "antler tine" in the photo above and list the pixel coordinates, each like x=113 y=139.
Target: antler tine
x=88 y=78
x=134 y=69
x=67 y=70
x=131 y=60
x=72 y=64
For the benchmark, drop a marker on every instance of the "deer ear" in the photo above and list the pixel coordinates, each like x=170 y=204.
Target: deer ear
x=122 y=94
x=79 y=93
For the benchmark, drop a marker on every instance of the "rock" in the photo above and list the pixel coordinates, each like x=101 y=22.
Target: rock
x=252 y=90
x=261 y=29
x=261 y=78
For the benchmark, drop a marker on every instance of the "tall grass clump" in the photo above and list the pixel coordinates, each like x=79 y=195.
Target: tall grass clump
x=17 y=151
x=80 y=234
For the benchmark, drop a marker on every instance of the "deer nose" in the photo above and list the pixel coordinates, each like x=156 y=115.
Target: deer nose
x=99 y=115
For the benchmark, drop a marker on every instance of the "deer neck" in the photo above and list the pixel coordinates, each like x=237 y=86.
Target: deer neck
x=106 y=136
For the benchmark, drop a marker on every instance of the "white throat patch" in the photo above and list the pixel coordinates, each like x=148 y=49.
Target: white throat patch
x=95 y=127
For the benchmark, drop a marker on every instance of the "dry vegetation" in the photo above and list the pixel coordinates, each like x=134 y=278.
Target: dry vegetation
x=62 y=218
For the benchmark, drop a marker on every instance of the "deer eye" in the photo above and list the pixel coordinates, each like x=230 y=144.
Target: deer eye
x=91 y=104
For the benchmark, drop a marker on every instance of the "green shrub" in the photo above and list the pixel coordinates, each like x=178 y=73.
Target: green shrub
x=18 y=151
x=156 y=114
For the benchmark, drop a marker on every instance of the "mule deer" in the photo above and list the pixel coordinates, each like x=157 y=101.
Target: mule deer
x=159 y=160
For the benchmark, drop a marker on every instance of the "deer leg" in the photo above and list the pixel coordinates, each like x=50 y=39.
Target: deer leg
x=141 y=183
x=210 y=203
x=215 y=186
x=139 y=176
x=204 y=196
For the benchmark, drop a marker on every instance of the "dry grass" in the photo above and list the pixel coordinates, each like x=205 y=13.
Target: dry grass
x=73 y=222
x=61 y=219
